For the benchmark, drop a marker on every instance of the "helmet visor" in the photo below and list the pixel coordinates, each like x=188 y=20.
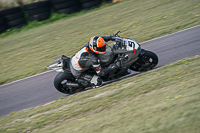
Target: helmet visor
x=101 y=49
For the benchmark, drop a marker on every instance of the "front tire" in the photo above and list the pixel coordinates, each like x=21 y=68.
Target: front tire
x=146 y=62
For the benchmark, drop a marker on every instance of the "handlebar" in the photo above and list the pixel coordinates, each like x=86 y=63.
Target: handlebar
x=117 y=33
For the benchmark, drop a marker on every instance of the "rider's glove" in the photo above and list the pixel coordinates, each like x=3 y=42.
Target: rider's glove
x=112 y=35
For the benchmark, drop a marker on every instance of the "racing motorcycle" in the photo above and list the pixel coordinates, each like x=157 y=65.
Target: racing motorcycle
x=130 y=53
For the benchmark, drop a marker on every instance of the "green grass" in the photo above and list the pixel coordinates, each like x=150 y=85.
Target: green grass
x=29 y=51
x=165 y=100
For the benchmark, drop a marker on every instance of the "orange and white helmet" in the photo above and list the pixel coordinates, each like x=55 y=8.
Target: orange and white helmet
x=97 y=45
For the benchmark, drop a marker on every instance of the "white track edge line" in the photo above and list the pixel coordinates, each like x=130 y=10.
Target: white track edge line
x=26 y=78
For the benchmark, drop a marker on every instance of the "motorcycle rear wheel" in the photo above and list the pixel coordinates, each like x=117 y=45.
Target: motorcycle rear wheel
x=60 y=83
x=146 y=62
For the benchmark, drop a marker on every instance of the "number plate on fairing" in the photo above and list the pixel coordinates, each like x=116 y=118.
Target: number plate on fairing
x=131 y=45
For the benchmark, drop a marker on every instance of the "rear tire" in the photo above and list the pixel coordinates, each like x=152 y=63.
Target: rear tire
x=16 y=23
x=146 y=62
x=65 y=5
x=89 y=5
x=14 y=16
x=10 y=11
x=60 y=83
x=38 y=11
x=59 y=1
x=40 y=17
x=36 y=5
x=2 y=28
x=68 y=10
x=60 y=77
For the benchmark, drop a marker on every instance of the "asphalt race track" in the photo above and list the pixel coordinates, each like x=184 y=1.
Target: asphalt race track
x=38 y=90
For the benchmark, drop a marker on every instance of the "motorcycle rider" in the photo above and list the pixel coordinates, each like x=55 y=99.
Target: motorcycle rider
x=87 y=58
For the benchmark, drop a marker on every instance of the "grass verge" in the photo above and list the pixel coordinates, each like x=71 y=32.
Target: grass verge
x=29 y=51
x=164 y=100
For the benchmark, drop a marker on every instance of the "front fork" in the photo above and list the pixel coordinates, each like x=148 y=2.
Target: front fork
x=142 y=52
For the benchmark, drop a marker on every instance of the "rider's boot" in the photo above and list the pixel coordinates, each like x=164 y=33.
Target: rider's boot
x=90 y=81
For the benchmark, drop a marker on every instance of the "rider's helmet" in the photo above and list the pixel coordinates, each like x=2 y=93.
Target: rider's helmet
x=97 y=45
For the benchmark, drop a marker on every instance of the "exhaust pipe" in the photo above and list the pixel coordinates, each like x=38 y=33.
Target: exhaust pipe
x=70 y=84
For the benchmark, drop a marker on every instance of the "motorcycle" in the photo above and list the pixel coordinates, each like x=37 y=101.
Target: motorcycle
x=130 y=53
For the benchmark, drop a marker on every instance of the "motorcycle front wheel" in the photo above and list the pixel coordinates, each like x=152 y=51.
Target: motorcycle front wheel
x=145 y=62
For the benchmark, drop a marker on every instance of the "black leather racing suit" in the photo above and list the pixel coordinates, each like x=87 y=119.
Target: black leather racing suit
x=86 y=59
